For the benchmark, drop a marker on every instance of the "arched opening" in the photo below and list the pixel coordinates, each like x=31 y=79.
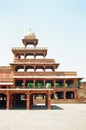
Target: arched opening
x=4 y=87
x=49 y=83
x=19 y=101
x=19 y=68
x=39 y=83
x=39 y=57
x=17 y=56
x=69 y=83
x=30 y=45
x=38 y=101
x=19 y=83
x=29 y=84
x=70 y=95
x=60 y=95
x=2 y=101
x=29 y=56
x=29 y=69
x=22 y=56
x=49 y=68
x=59 y=83
x=39 y=69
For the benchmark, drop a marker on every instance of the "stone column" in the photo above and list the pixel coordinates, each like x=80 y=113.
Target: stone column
x=34 y=83
x=75 y=94
x=44 y=84
x=64 y=95
x=49 y=100
x=8 y=101
x=24 y=83
x=46 y=100
x=75 y=83
x=28 y=101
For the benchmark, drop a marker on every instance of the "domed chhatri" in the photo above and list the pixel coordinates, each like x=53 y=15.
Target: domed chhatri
x=30 y=35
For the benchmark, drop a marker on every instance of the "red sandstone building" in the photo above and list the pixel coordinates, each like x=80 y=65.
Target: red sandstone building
x=32 y=74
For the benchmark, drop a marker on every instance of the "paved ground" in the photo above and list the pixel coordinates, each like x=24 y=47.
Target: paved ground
x=61 y=117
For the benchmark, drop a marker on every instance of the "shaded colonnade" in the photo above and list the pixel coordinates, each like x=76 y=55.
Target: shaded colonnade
x=23 y=99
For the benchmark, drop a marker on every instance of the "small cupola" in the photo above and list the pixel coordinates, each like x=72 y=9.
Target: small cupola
x=30 y=35
x=30 y=39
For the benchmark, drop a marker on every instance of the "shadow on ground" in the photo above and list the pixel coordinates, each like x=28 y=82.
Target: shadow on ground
x=35 y=107
x=43 y=107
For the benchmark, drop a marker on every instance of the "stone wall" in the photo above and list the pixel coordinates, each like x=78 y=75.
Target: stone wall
x=82 y=93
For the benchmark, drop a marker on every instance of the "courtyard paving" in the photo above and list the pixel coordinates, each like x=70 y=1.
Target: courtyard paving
x=60 y=117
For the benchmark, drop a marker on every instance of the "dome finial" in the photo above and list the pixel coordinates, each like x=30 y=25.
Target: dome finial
x=30 y=30
x=30 y=35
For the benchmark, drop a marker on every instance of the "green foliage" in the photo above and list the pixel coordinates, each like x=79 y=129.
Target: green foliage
x=49 y=85
x=39 y=85
x=66 y=85
x=57 y=84
x=30 y=85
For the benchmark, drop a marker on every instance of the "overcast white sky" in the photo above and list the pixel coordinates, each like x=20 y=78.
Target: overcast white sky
x=60 y=25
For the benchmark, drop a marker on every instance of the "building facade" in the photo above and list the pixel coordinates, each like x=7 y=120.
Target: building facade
x=32 y=74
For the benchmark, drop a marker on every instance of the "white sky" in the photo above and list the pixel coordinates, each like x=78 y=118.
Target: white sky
x=60 y=25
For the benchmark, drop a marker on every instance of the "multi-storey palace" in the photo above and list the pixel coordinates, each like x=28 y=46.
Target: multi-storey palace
x=32 y=74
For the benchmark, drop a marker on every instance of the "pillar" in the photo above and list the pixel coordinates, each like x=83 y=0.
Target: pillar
x=24 y=83
x=44 y=84
x=28 y=101
x=64 y=95
x=48 y=101
x=8 y=101
x=34 y=83
x=75 y=94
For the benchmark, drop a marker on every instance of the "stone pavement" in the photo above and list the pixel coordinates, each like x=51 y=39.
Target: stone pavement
x=60 y=117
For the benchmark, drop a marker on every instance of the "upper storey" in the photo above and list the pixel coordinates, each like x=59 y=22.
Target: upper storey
x=30 y=39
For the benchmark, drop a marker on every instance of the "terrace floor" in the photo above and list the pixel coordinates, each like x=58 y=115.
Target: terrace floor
x=60 y=117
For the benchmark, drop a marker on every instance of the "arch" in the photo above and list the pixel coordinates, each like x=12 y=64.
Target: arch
x=60 y=95
x=70 y=95
x=19 y=101
x=4 y=87
x=3 y=101
x=19 y=68
x=41 y=56
x=29 y=83
x=29 y=68
x=39 y=83
x=19 y=83
x=49 y=68
x=22 y=56
x=49 y=83
x=39 y=68
x=17 y=56
x=70 y=83
x=59 y=83
x=29 y=56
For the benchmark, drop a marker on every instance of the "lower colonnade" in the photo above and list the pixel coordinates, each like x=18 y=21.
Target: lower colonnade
x=11 y=98
x=18 y=98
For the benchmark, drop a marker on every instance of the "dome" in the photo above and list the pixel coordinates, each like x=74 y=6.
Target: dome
x=30 y=35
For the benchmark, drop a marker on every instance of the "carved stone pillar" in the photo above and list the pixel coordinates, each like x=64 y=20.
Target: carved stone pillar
x=64 y=95
x=75 y=94
x=8 y=101
x=28 y=102
x=49 y=102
